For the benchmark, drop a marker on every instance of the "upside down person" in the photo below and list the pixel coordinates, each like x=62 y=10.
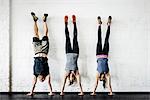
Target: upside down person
x=102 y=58
x=41 y=49
x=72 y=57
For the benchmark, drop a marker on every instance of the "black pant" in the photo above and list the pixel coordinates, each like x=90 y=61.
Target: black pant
x=105 y=49
x=75 y=48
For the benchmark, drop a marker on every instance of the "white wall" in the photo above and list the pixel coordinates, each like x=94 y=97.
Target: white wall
x=147 y=11
x=129 y=42
x=4 y=45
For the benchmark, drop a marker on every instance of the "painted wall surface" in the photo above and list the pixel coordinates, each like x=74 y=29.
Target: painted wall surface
x=4 y=45
x=129 y=56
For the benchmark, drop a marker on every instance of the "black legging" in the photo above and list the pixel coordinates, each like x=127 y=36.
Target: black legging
x=75 y=41
x=105 y=49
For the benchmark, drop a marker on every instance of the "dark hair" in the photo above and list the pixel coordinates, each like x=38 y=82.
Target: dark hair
x=104 y=84
x=104 y=80
x=74 y=80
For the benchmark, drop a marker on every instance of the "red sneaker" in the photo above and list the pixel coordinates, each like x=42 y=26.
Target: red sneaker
x=73 y=18
x=66 y=19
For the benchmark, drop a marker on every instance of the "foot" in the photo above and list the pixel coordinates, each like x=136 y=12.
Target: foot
x=110 y=94
x=66 y=19
x=109 y=20
x=31 y=94
x=34 y=17
x=93 y=94
x=45 y=17
x=51 y=94
x=73 y=18
x=81 y=94
x=62 y=94
x=99 y=20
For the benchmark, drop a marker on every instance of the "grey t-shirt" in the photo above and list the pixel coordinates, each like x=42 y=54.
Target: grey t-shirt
x=41 y=46
x=71 y=64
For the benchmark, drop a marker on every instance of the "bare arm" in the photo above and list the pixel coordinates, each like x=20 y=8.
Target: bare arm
x=33 y=85
x=108 y=77
x=96 y=84
x=77 y=75
x=64 y=82
x=49 y=85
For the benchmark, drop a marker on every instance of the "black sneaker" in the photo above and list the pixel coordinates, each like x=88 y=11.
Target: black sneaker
x=99 y=20
x=34 y=17
x=45 y=17
x=109 y=20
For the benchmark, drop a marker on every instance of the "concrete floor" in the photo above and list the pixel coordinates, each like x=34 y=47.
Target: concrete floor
x=104 y=96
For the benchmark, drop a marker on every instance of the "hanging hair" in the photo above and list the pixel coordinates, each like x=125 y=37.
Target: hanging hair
x=104 y=83
x=73 y=79
x=102 y=78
